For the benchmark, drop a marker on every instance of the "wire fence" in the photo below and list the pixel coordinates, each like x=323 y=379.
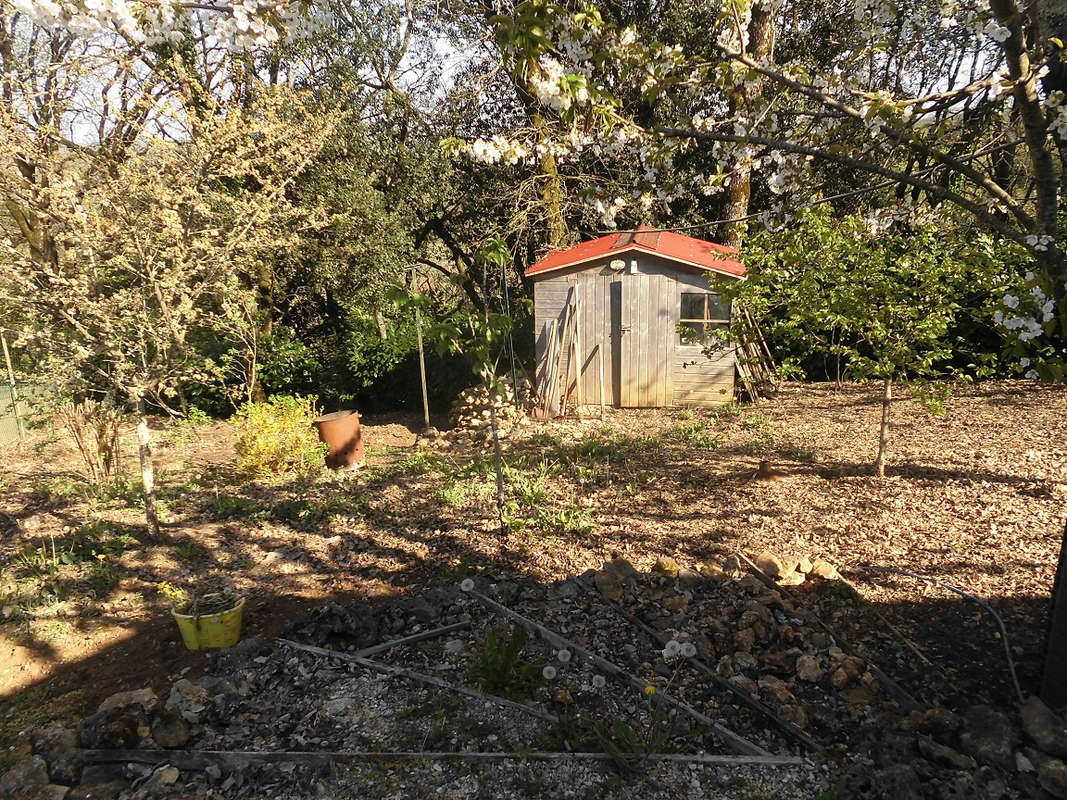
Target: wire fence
x=27 y=393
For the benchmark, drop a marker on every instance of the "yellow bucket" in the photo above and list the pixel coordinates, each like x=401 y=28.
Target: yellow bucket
x=208 y=631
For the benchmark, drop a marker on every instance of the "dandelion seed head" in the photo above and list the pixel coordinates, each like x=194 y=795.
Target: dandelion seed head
x=549 y=672
x=599 y=682
x=467 y=585
x=564 y=656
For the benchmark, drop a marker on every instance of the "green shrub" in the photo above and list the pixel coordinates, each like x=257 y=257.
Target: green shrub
x=276 y=437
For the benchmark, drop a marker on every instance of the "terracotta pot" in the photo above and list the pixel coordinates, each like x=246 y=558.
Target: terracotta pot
x=340 y=431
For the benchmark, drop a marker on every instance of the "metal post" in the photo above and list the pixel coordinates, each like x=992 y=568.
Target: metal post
x=14 y=390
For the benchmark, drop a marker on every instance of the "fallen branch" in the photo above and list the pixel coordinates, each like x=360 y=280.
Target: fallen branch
x=961 y=593
x=735 y=741
x=747 y=698
x=907 y=702
x=415 y=637
x=200 y=759
x=431 y=680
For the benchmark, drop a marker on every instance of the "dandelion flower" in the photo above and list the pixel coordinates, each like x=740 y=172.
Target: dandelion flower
x=650 y=690
x=467 y=585
x=549 y=672
x=564 y=656
x=599 y=682
x=689 y=650
x=672 y=649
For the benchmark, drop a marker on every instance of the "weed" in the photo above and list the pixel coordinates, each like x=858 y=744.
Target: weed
x=685 y=414
x=756 y=421
x=802 y=450
x=628 y=745
x=310 y=512
x=188 y=552
x=233 y=506
x=694 y=434
x=500 y=670
x=100 y=576
x=529 y=490
x=185 y=430
x=563 y=521
x=455 y=494
x=57 y=490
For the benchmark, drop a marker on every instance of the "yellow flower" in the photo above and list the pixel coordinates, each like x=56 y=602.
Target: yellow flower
x=650 y=690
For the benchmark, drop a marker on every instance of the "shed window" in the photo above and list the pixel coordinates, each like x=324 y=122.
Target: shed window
x=701 y=313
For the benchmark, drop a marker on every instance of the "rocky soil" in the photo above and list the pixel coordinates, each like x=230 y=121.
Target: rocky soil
x=721 y=636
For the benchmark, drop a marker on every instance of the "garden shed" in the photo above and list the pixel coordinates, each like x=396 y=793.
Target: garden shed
x=636 y=308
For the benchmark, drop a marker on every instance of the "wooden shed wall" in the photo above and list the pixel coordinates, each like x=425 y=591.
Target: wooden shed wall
x=691 y=377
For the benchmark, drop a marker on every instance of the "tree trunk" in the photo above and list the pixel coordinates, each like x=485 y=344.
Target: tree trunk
x=883 y=434
x=144 y=452
x=552 y=193
x=739 y=185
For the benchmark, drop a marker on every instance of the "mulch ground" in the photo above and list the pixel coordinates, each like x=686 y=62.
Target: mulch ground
x=974 y=498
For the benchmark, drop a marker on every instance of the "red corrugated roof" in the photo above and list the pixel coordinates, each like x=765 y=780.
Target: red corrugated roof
x=685 y=249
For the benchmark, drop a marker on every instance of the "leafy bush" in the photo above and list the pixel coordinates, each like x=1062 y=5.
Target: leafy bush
x=276 y=437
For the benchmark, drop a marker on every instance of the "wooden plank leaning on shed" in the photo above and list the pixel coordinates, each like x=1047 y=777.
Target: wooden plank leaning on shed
x=736 y=742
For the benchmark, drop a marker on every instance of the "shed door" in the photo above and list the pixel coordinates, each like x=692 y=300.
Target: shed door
x=647 y=341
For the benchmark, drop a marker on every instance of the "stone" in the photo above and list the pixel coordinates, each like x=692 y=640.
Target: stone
x=804 y=565
x=688 y=578
x=53 y=791
x=1044 y=727
x=795 y=714
x=170 y=730
x=188 y=700
x=1052 y=775
x=808 y=669
x=53 y=739
x=24 y=780
x=781 y=660
x=724 y=667
x=94 y=774
x=841 y=678
x=745 y=661
x=65 y=766
x=988 y=737
x=745 y=639
x=166 y=776
x=665 y=565
x=732 y=567
x=675 y=603
x=622 y=569
x=745 y=683
x=609 y=586
x=454 y=646
x=59 y=748
x=776 y=688
x=145 y=698
x=821 y=568
x=100 y=791
x=568 y=588
x=770 y=564
x=943 y=755
x=710 y=569
x=114 y=728
x=791 y=579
